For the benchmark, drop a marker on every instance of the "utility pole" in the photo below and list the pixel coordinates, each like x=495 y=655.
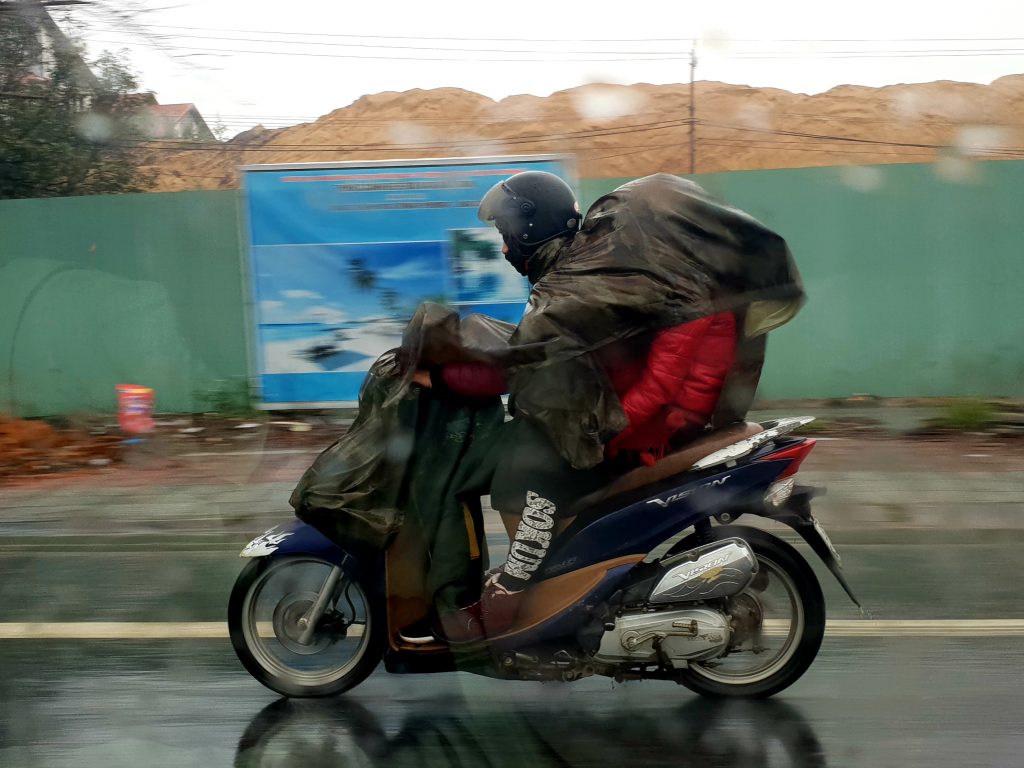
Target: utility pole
x=693 y=109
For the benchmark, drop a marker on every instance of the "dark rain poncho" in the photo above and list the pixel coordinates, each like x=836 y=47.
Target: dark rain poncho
x=408 y=449
x=655 y=253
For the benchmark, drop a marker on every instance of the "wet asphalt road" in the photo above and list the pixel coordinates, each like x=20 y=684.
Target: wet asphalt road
x=869 y=702
x=865 y=702
x=909 y=577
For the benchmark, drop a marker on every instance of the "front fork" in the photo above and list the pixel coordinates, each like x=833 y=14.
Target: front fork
x=307 y=623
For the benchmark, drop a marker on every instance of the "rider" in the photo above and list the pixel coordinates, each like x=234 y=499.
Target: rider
x=668 y=382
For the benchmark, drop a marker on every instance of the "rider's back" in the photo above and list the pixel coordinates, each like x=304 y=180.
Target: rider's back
x=669 y=382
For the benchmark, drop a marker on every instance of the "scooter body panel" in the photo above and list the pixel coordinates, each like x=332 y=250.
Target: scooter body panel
x=644 y=524
x=295 y=538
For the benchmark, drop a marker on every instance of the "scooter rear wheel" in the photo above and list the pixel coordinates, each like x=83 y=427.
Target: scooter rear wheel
x=267 y=602
x=779 y=623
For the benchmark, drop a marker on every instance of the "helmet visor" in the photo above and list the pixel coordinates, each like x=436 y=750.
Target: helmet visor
x=495 y=204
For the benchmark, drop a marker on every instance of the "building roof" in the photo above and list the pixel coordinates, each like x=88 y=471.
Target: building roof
x=177 y=115
x=172 y=110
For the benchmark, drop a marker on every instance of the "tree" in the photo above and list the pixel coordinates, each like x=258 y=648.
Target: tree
x=364 y=278
x=63 y=131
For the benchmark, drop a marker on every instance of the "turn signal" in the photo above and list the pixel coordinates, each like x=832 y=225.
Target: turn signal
x=779 y=492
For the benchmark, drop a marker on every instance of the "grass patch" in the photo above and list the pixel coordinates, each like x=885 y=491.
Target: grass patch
x=815 y=427
x=227 y=397
x=968 y=415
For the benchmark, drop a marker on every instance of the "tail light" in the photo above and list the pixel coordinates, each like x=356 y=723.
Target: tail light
x=796 y=455
x=780 y=491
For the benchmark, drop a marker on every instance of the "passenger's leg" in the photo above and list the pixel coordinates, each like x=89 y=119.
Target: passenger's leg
x=511 y=522
x=533 y=489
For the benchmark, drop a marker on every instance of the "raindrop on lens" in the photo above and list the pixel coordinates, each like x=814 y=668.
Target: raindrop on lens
x=96 y=128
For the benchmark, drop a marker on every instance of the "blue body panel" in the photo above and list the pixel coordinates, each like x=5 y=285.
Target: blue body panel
x=299 y=538
x=641 y=526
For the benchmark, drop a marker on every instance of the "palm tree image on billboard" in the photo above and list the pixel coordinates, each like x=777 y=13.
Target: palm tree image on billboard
x=344 y=304
x=479 y=272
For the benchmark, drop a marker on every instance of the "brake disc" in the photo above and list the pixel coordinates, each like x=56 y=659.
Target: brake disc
x=290 y=609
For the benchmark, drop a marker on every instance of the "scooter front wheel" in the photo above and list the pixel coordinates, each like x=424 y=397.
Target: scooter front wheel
x=268 y=619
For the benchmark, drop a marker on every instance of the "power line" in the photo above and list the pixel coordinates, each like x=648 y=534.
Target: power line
x=570 y=58
x=524 y=55
x=828 y=150
x=646 y=54
x=873 y=142
x=684 y=40
x=851 y=139
x=388 y=121
x=693 y=109
x=529 y=138
x=841 y=141
x=957 y=53
x=403 y=47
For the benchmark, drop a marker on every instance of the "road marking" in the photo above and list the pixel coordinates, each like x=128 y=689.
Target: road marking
x=214 y=630
x=127 y=630
x=925 y=628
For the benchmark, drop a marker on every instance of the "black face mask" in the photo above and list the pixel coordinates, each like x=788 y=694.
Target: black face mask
x=518 y=256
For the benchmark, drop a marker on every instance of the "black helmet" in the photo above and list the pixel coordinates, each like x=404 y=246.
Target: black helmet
x=531 y=208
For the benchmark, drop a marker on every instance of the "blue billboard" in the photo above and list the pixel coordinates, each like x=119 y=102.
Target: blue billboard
x=341 y=254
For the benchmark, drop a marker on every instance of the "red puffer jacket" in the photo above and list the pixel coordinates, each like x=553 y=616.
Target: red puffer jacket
x=669 y=388
x=675 y=390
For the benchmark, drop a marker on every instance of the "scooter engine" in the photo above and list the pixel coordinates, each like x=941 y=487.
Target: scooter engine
x=678 y=634
x=671 y=637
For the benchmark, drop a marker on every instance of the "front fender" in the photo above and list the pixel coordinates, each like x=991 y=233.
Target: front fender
x=296 y=538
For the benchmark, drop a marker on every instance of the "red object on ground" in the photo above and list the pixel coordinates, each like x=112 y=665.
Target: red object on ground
x=135 y=408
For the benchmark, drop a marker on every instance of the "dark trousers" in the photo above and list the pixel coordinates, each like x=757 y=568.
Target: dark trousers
x=525 y=475
x=532 y=480
x=526 y=462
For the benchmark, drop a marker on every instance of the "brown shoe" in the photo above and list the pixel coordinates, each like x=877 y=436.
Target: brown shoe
x=499 y=607
x=461 y=626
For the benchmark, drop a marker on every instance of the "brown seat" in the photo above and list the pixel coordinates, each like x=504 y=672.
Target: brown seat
x=675 y=463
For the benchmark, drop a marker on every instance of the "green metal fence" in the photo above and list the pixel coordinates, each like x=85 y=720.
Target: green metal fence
x=915 y=276
x=96 y=291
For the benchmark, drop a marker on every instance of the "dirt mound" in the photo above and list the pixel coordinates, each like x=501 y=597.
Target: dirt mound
x=616 y=130
x=29 y=447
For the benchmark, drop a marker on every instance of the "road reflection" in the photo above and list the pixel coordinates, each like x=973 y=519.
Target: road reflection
x=711 y=734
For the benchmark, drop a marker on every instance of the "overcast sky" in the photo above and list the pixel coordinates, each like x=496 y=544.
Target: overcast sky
x=279 y=63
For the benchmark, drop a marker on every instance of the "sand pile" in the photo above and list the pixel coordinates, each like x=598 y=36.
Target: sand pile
x=617 y=131
x=30 y=447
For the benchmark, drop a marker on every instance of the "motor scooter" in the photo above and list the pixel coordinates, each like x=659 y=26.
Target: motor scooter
x=653 y=580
